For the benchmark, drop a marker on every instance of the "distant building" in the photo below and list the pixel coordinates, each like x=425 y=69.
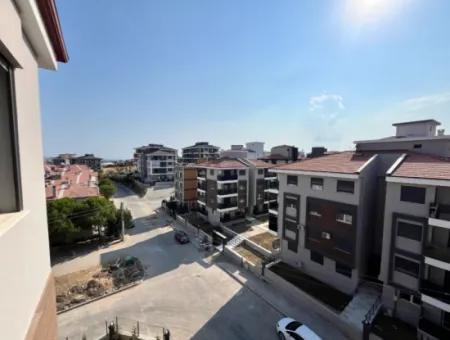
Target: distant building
x=199 y=151
x=186 y=185
x=64 y=159
x=257 y=147
x=239 y=151
x=70 y=181
x=95 y=163
x=282 y=154
x=155 y=163
x=317 y=151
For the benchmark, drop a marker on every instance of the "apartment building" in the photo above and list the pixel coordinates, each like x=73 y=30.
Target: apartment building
x=326 y=215
x=222 y=190
x=30 y=38
x=186 y=185
x=282 y=154
x=257 y=147
x=239 y=151
x=87 y=159
x=200 y=151
x=155 y=163
x=415 y=267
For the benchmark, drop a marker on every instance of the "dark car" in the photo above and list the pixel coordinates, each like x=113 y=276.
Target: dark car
x=181 y=237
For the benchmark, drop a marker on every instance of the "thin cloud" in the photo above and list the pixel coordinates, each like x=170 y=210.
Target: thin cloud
x=325 y=101
x=425 y=102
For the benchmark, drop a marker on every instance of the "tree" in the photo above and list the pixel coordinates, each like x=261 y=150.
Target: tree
x=107 y=187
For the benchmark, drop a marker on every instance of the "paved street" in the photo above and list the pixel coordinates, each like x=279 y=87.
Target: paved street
x=184 y=291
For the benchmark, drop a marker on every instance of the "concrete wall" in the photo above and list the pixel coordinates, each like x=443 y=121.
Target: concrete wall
x=24 y=252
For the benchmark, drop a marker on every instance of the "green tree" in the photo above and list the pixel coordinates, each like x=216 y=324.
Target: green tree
x=107 y=187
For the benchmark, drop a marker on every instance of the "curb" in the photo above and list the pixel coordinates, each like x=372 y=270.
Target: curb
x=99 y=297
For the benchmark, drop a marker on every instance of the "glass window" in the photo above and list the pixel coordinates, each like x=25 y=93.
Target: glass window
x=343 y=269
x=345 y=186
x=292 y=180
x=260 y=171
x=241 y=172
x=412 y=194
x=409 y=230
x=211 y=172
x=316 y=257
x=9 y=169
x=406 y=266
x=317 y=183
x=344 y=218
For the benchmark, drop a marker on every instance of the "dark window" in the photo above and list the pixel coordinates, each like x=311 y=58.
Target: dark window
x=241 y=172
x=446 y=320
x=292 y=180
x=9 y=167
x=406 y=266
x=345 y=186
x=408 y=230
x=293 y=325
x=260 y=171
x=317 y=183
x=343 y=269
x=316 y=257
x=412 y=194
x=211 y=172
x=417 y=146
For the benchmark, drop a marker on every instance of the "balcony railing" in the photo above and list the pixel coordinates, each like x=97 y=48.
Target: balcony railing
x=201 y=174
x=440 y=211
x=270 y=196
x=201 y=185
x=201 y=198
x=272 y=185
x=437 y=252
x=227 y=177
x=227 y=191
x=268 y=174
x=273 y=205
x=225 y=205
x=435 y=291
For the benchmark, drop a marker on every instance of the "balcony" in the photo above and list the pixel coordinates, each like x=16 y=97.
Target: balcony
x=201 y=175
x=227 y=177
x=439 y=215
x=201 y=186
x=430 y=328
x=270 y=197
x=269 y=175
x=435 y=295
x=227 y=191
x=227 y=206
x=437 y=256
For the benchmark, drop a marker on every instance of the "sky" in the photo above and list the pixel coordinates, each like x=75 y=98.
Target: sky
x=306 y=73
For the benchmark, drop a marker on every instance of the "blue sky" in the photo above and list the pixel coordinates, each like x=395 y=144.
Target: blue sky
x=297 y=72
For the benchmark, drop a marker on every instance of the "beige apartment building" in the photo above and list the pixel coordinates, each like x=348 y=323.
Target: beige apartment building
x=30 y=38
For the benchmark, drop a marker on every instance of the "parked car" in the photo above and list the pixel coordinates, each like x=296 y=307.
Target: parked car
x=290 y=329
x=181 y=237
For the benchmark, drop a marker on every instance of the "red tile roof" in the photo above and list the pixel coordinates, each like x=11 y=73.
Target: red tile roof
x=423 y=166
x=74 y=181
x=260 y=164
x=347 y=162
x=222 y=164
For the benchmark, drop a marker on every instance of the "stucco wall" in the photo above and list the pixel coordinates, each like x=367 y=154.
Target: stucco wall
x=24 y=253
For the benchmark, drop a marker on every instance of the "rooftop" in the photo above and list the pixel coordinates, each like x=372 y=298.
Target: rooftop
x=348 y=162
x=416 y=165
x=259 y=163
x=418 y=122
x=224 y=163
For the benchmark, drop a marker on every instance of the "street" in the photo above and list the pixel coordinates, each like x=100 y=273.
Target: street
x=184 y=291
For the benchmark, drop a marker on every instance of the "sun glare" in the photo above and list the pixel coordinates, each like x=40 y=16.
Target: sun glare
x=366 y=12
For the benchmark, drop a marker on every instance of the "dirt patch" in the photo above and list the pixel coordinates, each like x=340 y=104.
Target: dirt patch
x=265 y=240
x=94 y=282
x=249 y=254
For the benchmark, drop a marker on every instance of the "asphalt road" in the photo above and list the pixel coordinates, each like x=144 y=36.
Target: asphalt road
x=184 y=291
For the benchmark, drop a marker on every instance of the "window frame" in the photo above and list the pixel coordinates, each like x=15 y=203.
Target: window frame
x=405 y=271
x=339 y=181
x=4 y=64
x=404 y=188
x=405 y=235
x=290 y=177
x=316 y=186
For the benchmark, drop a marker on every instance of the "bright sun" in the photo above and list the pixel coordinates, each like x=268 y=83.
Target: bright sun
x=362 y=12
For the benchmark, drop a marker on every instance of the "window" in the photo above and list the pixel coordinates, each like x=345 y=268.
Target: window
x=406 y=266
x=344 y=218
x=314 y=213
x=290 y=234
x=316 y=257
x=241 y=172
x=9 y=166
x=211 y=172
x=317 y=183
x=343 y=269
x=417 y=146
x=345 y=186
x=344 y=245
x=260 y=171
x=412 y=194
x=292 y=180
x=408 y=230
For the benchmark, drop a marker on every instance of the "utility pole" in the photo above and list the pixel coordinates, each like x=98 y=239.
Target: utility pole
x=122 y=222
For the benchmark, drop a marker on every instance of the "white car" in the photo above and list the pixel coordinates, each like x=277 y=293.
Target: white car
x=289 y=329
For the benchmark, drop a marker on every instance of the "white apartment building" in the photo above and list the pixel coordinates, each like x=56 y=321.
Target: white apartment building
x=30 y=38
x=257 y=147
x=156 y=163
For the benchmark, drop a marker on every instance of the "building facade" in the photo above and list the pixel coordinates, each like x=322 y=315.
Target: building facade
x=222 y=190
x=239 y=151
x=186 y=185
x=200 y=151
x=155 y=163
x=258 y=147
x=95 y=163
x=30 y=38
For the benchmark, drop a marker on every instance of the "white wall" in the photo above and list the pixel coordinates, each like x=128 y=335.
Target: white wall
x=24 y=252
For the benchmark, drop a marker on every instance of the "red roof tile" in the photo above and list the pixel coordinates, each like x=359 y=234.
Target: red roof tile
x=222 y=164
x=423 y=166
x=344 y=162
x=260 y=164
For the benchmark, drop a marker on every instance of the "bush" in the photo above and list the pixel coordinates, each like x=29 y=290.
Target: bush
x=107 y=187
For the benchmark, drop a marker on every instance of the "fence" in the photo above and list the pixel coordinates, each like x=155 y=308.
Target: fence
x=193 y=229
